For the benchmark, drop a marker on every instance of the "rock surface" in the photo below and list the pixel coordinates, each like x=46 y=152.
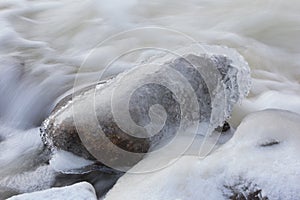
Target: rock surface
x=178 y=86
x=79 y=191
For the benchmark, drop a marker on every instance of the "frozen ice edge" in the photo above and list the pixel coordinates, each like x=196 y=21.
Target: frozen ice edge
x=244 y=81
x=78 y=191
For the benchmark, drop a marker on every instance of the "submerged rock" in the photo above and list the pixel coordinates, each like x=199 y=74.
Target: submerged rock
x=6 y=192
x=117 y=121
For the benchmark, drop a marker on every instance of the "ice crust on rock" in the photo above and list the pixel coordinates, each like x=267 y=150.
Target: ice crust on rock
x=205 y=82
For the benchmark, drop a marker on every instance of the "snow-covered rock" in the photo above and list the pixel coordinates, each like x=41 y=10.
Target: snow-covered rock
x=79 y=191
x=261 y=161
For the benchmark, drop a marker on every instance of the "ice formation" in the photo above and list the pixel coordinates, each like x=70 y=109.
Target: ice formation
x=78 y=191
x=149 y=104
x=261 y=159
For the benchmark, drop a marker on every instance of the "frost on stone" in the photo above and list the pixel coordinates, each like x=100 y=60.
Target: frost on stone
x=224 y=74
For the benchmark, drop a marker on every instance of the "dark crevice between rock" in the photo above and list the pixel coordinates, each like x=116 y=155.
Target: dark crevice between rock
x=224 y=128
x=269 y=143
x=102 y=180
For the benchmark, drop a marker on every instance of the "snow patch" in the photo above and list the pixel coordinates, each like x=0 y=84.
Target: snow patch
x=77 y=191
x=261 y=159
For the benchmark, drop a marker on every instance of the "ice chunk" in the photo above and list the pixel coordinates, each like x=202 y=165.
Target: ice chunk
x=77 y=191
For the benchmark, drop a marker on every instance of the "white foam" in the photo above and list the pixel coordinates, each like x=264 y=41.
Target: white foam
x=18 y=150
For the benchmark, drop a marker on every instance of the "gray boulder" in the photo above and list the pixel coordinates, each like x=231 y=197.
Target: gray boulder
x=114 y=120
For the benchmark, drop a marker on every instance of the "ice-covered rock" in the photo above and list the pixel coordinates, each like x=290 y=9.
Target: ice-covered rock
x=79 y=191
x=146 y=105
x=261 y=161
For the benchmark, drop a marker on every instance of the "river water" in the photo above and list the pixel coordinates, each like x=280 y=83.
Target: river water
x=43 y=45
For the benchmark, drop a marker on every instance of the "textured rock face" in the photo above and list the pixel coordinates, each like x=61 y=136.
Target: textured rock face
x=187 y=90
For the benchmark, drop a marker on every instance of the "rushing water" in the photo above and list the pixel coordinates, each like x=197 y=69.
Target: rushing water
x=44 y=43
